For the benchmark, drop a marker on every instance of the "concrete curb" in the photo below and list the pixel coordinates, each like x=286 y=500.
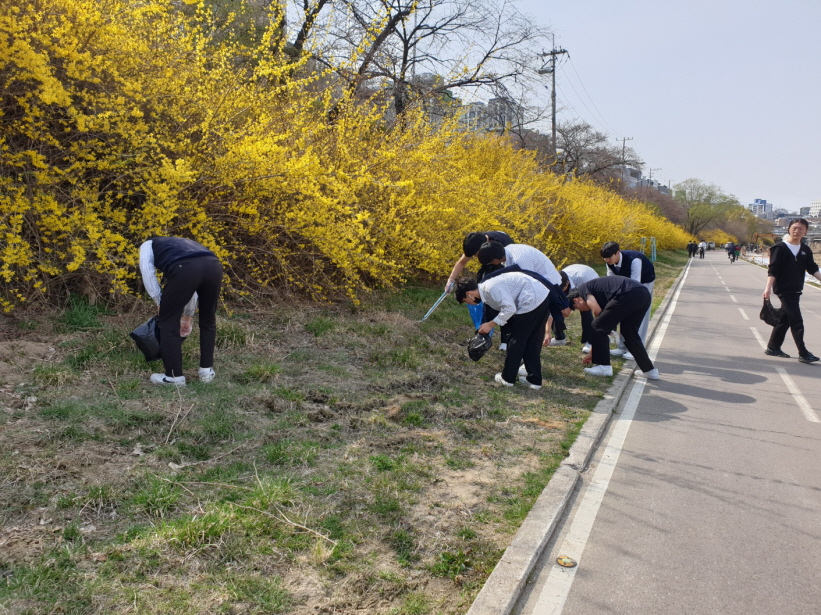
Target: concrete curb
x=503 y=587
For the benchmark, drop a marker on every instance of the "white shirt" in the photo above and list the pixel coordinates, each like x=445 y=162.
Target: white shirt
x=703 y=244
x=579 y=274
x=531 y=259
x=635 y=268
x=150 y=281
x=512 y=293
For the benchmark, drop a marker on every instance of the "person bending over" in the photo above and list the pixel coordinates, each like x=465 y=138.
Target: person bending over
x=635 y=265
x=614 y=300
x=192 y=274
x=522 y=303
x=572 y=276
x=526 y=258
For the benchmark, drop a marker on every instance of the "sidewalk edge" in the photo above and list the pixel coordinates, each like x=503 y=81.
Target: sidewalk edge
x=503 y=587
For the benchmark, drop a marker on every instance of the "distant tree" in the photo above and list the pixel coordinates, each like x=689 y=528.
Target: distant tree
x=584 y=151
x=665 y=204
x=705 y=205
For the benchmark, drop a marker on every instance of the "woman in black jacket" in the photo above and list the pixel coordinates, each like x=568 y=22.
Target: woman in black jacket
x=789 y=260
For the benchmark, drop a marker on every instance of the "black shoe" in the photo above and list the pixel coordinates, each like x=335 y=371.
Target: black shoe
x=776 y=353
x=808 y=358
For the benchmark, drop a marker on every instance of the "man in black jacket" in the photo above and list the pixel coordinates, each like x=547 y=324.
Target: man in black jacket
x=789 y=260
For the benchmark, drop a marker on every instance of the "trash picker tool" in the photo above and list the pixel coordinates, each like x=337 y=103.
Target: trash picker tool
x=435 y=305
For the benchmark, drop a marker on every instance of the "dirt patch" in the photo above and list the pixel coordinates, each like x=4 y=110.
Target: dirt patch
x=18 y=358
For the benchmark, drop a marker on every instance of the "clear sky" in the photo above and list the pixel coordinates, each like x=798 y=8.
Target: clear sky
x=727 y=91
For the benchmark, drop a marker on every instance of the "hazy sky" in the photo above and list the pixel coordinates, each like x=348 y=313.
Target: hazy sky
x=727 y=91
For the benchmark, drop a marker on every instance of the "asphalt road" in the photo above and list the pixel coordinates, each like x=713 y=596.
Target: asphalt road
x=705 y=494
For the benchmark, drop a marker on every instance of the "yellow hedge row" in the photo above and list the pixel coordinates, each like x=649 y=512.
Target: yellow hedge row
x=121 y=120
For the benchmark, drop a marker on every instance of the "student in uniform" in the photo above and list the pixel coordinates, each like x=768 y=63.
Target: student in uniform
x=614 y=300
x=192 y=274
x=635 y=265
x=572 y=276
x=522 y=303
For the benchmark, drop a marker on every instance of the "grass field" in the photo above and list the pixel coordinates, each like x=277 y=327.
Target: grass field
x=345 y=460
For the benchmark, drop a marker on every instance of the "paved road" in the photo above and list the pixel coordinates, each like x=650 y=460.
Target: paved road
x=705 y=495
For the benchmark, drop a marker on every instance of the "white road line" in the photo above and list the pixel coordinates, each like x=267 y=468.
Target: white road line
x=733 y=298
x=802 y=402
x=553 y=596
x=759 y=338
x=727 y=288
x=743 y=314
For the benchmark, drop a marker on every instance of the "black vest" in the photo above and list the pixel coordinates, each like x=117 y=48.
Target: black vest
x=648 y=272
x=169 y=250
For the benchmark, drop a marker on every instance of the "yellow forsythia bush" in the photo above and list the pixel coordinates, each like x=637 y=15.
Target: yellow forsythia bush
x=122 y=120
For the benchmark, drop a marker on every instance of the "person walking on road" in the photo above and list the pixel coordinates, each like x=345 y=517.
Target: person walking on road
x=614 y=300
x=789 y=261
x=702 y=247
x=192 y=274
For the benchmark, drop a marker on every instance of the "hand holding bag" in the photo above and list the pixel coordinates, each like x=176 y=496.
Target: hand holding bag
x=769 y=314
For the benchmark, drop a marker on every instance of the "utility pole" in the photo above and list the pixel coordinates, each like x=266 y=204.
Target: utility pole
x=624 y=149
x=623 y=156
x=550 y=67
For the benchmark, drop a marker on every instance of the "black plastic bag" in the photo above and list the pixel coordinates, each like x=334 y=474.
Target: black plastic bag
x=147 y=338
x=478 y=346
x=769 y=314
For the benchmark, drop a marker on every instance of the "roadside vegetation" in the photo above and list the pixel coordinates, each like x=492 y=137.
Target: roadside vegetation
x=345 y=459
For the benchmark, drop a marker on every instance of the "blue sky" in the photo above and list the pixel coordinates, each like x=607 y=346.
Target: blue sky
x=725 y=91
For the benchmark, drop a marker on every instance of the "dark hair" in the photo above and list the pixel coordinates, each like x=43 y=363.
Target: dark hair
x=565 y=281
x=472 y=243
x=799 y=221
x=573 y=294
x=486 y=270
x=490 y=251
x=462 y=288
x=609 y=249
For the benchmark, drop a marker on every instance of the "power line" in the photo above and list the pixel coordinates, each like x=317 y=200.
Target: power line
x=581 y=82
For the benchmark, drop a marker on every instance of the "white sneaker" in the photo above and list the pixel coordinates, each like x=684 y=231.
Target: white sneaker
x=503 y=346
x=525 y=382
x=653 y=374
x=522 y=371
x=600 y=370
x=498 y=378
x=163 y=379
x=207 y=374
x=616 y=352
x=555 y=342
x=587 y=348
x=627 y=356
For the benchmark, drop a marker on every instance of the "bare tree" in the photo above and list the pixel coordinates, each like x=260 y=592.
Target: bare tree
x=421 y=49
x=584 y=151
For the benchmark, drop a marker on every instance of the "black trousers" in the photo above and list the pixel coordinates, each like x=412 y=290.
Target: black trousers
x=792 y=320
x=587 y=327
x=626 y=310
x=201 y=275
x=559 y=328
x=524 y=343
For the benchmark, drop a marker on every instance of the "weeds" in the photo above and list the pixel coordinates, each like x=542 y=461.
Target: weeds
x=313 y=460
